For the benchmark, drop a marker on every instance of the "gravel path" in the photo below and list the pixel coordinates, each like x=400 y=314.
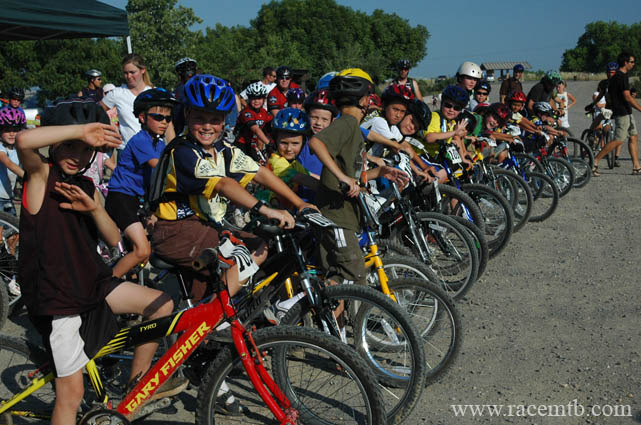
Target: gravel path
x=555 y=318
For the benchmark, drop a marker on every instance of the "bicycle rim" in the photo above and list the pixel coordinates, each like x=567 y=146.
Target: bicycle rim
x=434 y=314
x=19 y=366
x=326 y=381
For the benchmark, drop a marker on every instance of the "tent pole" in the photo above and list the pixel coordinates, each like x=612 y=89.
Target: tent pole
x=129 y=44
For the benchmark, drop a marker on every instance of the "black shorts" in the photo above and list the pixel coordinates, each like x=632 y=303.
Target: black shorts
x=122 y=208
x=72 y=340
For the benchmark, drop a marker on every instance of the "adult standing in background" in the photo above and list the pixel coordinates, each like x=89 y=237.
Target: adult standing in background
x=269 y=81
x=185 y=69
x=137 y=80
x=543 y=91
x=512 y=83
x=403 y=67
x=94 y=86
x=622 y=104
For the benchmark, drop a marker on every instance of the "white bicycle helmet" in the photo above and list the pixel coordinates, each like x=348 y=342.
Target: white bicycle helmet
x=256 y=90
x=470 y=69
x=542 y=108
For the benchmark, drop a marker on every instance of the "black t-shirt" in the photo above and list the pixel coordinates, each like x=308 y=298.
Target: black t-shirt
x=618 y=84
x=539 y=94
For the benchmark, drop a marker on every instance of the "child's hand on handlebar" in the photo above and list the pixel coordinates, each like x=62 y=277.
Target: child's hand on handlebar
x=394 y=174
x=351 y=188
x=284 y=218
x=306 y=205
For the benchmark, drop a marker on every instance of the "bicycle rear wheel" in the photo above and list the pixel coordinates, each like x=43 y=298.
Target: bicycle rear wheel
x=21 y=362
x=580 y=150
x=326 y=381
x=582 y=172
x=545 y=194
x=383 y=334
x=453 y=201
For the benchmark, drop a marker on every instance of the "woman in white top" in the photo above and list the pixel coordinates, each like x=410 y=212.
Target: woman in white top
x=137 y=78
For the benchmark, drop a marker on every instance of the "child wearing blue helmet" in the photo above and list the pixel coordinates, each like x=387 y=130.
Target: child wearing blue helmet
x=290 y=128
x=204 y=171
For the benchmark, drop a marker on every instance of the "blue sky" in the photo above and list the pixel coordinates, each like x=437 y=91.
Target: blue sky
x=481 y=31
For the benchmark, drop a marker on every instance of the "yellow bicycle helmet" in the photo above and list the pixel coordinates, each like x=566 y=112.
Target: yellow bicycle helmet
x=351 y=82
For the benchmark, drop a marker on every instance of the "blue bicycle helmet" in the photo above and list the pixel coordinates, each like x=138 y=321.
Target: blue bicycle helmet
x=612 y=66
x=295 y=95
x=456 y=94
x=323 y=83
x=209 y=93
x=518 y=68
x=292 y=120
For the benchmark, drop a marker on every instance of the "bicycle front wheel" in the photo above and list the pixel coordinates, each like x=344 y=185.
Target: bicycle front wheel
x=21 y=363
x=326 y=381
x=9 y=258
x=499 y=219
x=518 y=193
x=561 y=172
x=437 y=320
x=384 y=336
x=545 y=194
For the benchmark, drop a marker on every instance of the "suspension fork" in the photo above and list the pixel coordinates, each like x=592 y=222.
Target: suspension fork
x=408 y=215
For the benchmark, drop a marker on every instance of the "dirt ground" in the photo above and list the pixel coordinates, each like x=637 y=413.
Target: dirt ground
x=554 y=321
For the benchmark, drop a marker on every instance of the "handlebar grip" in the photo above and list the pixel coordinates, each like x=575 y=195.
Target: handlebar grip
x=343 y=186
x=205 y=259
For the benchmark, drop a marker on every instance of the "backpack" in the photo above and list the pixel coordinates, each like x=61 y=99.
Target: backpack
x=155 y=195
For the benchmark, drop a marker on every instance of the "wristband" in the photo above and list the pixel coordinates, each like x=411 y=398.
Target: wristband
x=258 y=205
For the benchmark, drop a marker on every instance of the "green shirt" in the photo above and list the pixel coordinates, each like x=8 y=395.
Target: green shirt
x=345 y=143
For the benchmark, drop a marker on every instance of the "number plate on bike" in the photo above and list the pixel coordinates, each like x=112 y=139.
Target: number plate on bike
x=453 y=154
x=247 y=267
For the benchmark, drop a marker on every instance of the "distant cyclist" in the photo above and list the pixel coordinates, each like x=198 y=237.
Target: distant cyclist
x=403 y=67
x=93 y=90
x=185 y=69
x=276 y=99
x=16 y=96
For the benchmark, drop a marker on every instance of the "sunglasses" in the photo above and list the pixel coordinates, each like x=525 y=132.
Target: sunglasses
x=285 y=78
x=98 y=78
x=453 y=106
x=480 y=93
x=160 y=117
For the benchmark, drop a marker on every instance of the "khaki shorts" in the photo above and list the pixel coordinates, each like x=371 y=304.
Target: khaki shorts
x=342 y=257
x=626 y=127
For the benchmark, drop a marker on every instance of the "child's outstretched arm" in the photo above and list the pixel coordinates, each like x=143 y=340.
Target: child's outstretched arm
x=29 y=141
x=268 y=179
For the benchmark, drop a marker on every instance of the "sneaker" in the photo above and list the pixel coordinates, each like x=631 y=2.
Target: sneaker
x=14 y=288
x=227 y=404
x=174 y=385
x=616 y=162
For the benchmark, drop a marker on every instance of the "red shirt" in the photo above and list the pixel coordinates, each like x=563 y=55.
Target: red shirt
x=247 y=118
x=276 y=99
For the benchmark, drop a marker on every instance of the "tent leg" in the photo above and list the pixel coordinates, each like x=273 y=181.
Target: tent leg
x=129 y=44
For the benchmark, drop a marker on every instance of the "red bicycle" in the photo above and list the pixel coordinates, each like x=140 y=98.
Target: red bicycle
x=314 y=378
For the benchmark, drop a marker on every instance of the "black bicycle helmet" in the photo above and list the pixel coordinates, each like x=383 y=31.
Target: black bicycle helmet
x=153 y=97
x=485 y=85
x=421 y=113
x=351 y=83
x=403 y=64
x=93 y=73
x=456 y=94
x=74 y=111
x=16 y=93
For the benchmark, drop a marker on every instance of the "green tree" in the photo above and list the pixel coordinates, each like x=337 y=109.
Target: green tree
x=601 y=43
x=160 y=33
x=58 y=66
x=317 y=35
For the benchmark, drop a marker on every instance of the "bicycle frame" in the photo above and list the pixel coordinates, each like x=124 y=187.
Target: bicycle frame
x=196 y=323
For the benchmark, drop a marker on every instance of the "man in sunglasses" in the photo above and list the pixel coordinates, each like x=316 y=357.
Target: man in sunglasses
x=403 y=67
x=132 y=176
x=94 y=86
x=276 y=99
